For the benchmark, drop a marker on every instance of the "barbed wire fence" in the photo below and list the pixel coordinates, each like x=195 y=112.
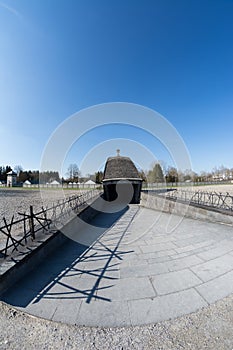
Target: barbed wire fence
x=223 y=201
x=16 y=233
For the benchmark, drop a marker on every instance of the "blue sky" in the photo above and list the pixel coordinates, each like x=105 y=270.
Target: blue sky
x=174 y=56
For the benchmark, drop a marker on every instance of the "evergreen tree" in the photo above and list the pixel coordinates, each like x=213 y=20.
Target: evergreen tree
x=99 y=177
x=156 y=174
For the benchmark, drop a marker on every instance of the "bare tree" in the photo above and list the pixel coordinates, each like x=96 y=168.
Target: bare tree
x=18 y=169
x=172 y=175
x=73 y=172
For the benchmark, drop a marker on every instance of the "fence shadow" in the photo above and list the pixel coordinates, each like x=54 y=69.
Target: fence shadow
x=58 y=276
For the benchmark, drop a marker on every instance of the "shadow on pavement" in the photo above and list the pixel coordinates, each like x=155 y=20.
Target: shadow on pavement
x=52 y=278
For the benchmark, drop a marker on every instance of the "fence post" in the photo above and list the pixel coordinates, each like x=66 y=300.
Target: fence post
x=31 y=222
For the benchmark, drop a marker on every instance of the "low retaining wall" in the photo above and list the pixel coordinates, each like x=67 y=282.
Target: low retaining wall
x=13 y=268
x=193 y=211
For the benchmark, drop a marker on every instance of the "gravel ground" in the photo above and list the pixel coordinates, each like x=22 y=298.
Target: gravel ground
x=13 y=201
x=211 y=188
x=209 y=328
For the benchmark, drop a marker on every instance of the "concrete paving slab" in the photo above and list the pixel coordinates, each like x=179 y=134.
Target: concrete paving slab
x=165 y=307
x=214 y=268
x=175 y=281
x=69 y=288
x=159 y=239
x=155 y=255
x=221 y=248
x=194 y=241
x=114 y=314
x=157 y=247
x=143 y=270
x=181 y=263
x=66 y=311
x=159 y=260
x=187 y=248
x=181 y=255
x=46 y=308
x=217 y=288
x=127 y=289
x=194 y=247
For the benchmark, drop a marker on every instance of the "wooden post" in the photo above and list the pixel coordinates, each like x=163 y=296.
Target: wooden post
x=31 y=222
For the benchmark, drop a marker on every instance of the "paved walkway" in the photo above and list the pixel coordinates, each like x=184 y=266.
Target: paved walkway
x=134 y=273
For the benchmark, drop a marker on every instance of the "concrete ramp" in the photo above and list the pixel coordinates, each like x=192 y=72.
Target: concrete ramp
x=133 y=272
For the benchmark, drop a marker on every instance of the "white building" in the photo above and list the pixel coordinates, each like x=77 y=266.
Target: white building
x=27 y=183
x=89 y=184
x=11 y=179
x=54 y=183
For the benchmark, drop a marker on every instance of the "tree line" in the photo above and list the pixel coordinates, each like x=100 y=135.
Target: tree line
x=158 y=173
x=34 y=176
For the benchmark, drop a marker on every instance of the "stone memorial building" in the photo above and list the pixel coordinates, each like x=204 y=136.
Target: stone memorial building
x=121 y=169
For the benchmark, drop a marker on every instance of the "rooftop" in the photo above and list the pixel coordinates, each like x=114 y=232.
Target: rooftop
x=120 y=168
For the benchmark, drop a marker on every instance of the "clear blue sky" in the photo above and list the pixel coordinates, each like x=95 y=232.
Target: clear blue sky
x=58 y=57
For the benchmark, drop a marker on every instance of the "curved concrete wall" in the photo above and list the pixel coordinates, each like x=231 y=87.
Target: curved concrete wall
x=192 y=211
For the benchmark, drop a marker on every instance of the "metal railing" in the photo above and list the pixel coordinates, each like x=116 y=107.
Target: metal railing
x=223 y=201
x=17 y=233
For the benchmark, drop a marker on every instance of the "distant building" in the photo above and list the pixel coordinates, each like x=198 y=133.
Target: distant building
x=11 y=179
x=27 y=183
x=89 y=184
x=54 y=183
x=121 y=169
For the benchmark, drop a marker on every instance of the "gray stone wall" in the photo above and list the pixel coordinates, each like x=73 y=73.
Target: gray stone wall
x=174 y=207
